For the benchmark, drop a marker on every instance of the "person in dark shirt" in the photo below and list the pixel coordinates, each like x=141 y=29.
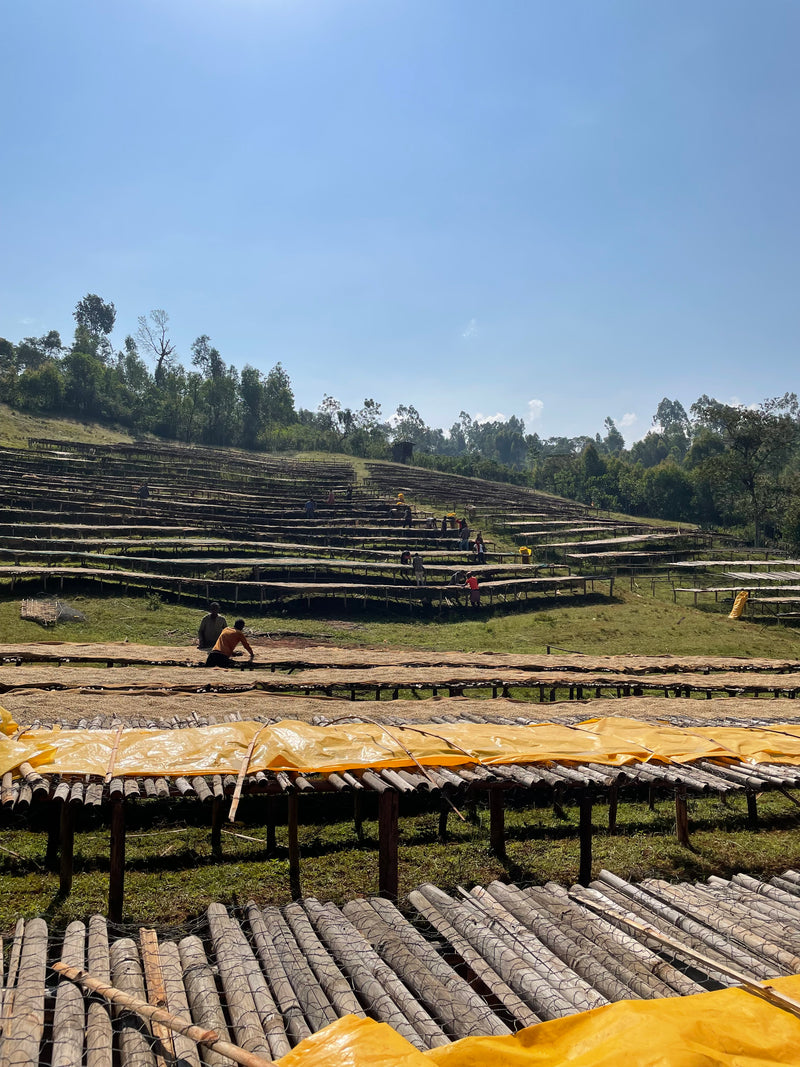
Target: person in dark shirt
x=211 y=626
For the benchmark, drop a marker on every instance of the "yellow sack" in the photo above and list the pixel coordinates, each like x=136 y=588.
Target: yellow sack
x=738 y=605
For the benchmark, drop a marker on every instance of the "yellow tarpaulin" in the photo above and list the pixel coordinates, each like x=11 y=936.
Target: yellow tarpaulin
x=728 y=1028
x=298 y=746
x=28 y=749
x=738 y=604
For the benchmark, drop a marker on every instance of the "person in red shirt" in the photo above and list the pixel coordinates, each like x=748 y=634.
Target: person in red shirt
x=231 y=636
x=471 y=583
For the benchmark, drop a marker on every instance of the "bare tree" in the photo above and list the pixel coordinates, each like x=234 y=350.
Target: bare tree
x=152 y=336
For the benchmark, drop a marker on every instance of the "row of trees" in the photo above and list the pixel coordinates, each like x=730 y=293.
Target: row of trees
x=719 y=464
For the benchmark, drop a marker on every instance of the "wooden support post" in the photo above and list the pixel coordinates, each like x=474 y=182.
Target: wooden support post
x=497 y=826
x=294 y=849
x=651 y=796
x=682 y=817
x=444 y=811
x=585 y=835
x=53 y=834
x=216 y=826
x=613 y=798
x=67 y=836
x=358 y=817
x=388 y=843
x=116 y=876
x=752 y=810
x=271 y=842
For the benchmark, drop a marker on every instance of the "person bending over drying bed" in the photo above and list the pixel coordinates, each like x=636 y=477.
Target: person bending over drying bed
x=231 y=636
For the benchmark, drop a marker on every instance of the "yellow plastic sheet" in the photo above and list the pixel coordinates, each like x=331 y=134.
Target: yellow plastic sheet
x=27 y=749
x=780 y=744
x=674 y=744
x=298 y=746
x=7 y=724
x=728 y=1028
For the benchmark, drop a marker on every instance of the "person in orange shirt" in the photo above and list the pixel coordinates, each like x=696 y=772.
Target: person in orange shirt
x=471 y=582
x=231 y=636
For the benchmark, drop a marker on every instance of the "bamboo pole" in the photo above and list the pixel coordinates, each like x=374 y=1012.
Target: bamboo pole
x=634 y=964
x=202 y=995
x=454 y=1012
x=563 y=942
x=177 y=1003
x=11 y=978
x=315 y=1002
x=504 y=955
x=751 y=984
x=156 y=993
x=24 y=1027
x=68 y=1015
x=545 y=963
x=207 y=1038
x=389 y=999
x=99 y=1034
x=286 y=998
x=247 y=1021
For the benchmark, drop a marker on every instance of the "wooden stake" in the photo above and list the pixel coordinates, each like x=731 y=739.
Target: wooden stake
x=209 y=1038
x=216 y=825
x=585 y=834
x=67 y=835
x=271 y=842
x=388 y=843
x=116 y=875
x=497 y=829
x=613 y=799
x=294 y=848
x=752 y=810
x=682 y=817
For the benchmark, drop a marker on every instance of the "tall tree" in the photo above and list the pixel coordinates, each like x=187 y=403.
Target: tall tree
x=153 y=335
x=278 y=397
x=95 y=315
x=756 y=443
x=613 y=441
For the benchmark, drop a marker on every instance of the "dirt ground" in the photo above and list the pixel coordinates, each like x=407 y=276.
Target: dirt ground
x=46 y=707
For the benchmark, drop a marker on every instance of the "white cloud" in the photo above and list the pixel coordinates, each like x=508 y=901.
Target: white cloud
x=535 y=409
x=628 y=419
x=470 y=330
x=27 y=322
x=497 y=417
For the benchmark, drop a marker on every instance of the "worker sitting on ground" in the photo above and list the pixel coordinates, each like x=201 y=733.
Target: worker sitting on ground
x=211 y=626
x=231 y=636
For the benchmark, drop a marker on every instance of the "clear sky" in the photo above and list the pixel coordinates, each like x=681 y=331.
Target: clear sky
x=559 y=209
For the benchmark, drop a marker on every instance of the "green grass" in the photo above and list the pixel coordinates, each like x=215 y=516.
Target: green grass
x=631 y=622
x=16 y=428
x=172 y=876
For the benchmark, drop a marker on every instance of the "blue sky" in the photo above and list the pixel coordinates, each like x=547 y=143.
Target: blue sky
x=562 y=210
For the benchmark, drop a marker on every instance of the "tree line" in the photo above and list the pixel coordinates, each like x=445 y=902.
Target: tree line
x=717 y=465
